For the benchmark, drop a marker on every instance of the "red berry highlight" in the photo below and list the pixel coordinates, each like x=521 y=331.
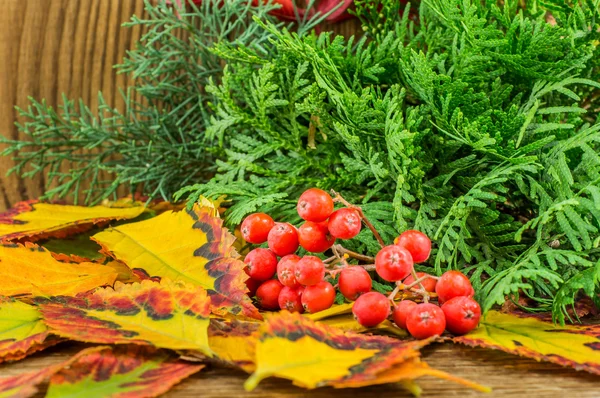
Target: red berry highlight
x=255 y=228
x=462 y=314
x=286 y=269
x=315 y=237
x=453 y=284
x=318 y=297
x=417 y=243
x=310 y=270
x=262 y=264
x=371 y=309
x=267 y=294
x=315 y=205
x=393 y=263
x=290 y=299
x=426 y=320
x=401 y=311
x=429 y=283
x=353 y=282
x=283 y=239
x=345 y=223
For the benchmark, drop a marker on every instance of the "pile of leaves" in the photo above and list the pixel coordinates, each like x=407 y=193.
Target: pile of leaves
x=473 y=121
x=160 y=294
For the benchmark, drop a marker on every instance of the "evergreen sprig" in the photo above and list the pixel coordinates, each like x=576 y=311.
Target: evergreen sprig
x=476 y=122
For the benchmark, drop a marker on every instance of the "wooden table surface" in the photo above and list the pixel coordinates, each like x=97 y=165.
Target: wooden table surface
x=508 y=375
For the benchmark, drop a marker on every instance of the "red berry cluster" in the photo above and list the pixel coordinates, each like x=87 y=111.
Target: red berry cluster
x=302 y=282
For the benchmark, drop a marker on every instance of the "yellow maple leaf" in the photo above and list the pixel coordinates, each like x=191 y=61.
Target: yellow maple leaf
x=27 y=269
x=190 y=246
x=33 y=220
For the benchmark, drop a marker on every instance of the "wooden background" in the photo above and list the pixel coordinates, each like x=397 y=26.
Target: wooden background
x=50 y=47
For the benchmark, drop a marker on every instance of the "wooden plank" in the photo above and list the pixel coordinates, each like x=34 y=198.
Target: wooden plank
x=508 y=375
x=51 y=47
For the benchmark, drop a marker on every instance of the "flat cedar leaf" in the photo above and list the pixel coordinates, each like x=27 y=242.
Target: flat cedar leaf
x=234 y=342
x=33 y=220
x=519 y=334
x=120 y=372
x=22 y=331
x=190 y=246
x=167 y=314
x=27 y=269
x=312 y=355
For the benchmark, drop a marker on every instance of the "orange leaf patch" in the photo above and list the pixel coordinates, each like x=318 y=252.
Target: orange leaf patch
x=190 y=246
x=576 y=346
x=33 y=220
x=166 y=314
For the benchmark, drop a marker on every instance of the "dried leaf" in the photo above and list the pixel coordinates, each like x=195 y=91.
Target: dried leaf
x=22 y=331
x=32 y=269
x=33 y=220
x=314 y=355
x=25 y=385
x=190 y=246
x=234 y=342
x=120 y=372
x=166 y=314
x=577 y=346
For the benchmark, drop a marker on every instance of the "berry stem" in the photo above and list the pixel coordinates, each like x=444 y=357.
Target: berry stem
x=394 y=292
x=338 y=198
x=342 y=250
x=422 y=288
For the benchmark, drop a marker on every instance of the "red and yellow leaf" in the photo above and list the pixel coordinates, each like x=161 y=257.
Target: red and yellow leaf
x=234 y=342
x=120 y=372
x=577 y=346
x=32 y=269
x=25 y=385
x=166 y=314
x=33 y=220
x=22 y=331
x=312 y=355
x=190 y=246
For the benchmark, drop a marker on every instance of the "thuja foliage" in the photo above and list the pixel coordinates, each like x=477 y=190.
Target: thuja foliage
x=475 y=122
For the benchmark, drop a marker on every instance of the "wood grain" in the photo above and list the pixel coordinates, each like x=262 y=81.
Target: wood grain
x=51 y=47
x=508 y=375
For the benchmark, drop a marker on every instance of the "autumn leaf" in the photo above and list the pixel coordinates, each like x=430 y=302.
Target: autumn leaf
x=577 y=346
x=33 y=220
x=234 y=342
x=348 y=323
x=79 y=245
x=27 y=269
x=22 y=331
x=120 y=372
x=26 y=384
x=166 y=314
x=314 y=355
x=190 y=246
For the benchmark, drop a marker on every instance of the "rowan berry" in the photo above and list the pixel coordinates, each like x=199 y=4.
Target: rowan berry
x=425 y=320
x=370 y=309
x=255 y=228
x=453 y=284
x=353 y=282
x=345 y=223
x=252 y=285
x=393 y=263
x=261 y=264
x=462 y=314
x=318 y=297
x=310 y=270
x=401 y=311
x=286 y=269
x=315 y=205
x=417 y=243
x=315 y=237
x=267 y=294
x=283 y=239
x=290 y=299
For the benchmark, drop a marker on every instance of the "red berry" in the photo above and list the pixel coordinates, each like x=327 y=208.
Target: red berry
x=315 y=237
x=425 y=320
x=393 y=263
x=286 y=269
x=290 y=299
x=345 y=223
x=283 y=239
x=417 y=243
x=401 y=311
x=371 y=309
x=428 y=284
x=252 y=285
x=255 y=228
x=453 y=284
x=318 y=297
x=462 y=314
x=315 y=205
x=262 y=264
x=353 y=282
x=267 y=294
x=309 y=270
